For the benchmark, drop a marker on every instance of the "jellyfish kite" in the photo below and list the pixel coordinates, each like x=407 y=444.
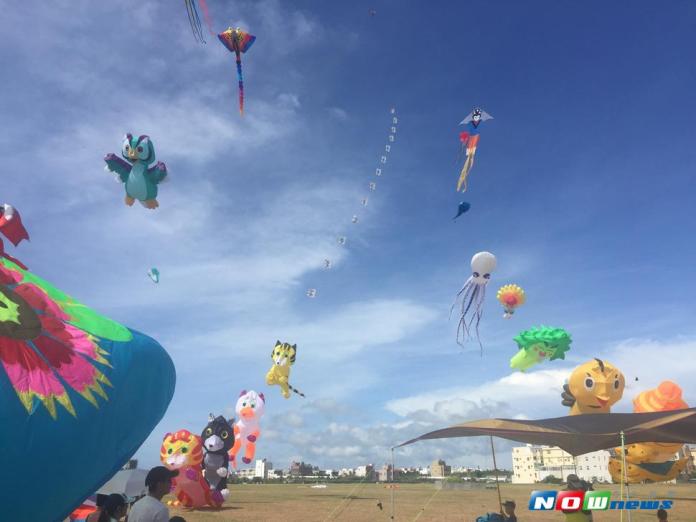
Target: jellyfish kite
x=510 y=296
x=470 y=139
x=238 y=42
x=473 y=294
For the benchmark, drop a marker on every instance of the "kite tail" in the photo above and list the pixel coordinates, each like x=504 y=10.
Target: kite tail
x=298 y=392
x=240 y=78
x=206 y=16
x=194 y=20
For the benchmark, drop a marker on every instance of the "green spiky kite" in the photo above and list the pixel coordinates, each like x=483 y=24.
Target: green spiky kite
x=540 y=344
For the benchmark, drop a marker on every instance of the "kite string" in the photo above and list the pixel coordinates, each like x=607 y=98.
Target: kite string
x=378 y=172
x=194 y=20
x=347 y=497
x=437 y=490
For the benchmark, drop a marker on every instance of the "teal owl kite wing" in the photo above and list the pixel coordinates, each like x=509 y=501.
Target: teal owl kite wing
x=79 y=315
x=157 y=173
x=120 y=167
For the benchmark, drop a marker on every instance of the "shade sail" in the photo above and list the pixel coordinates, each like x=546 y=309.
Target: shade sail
x=580 y=434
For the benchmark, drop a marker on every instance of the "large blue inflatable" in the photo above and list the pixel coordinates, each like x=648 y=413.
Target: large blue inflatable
x=79 y=393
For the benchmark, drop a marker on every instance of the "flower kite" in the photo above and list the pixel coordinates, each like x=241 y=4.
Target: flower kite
x=510 y=296
x=540 y=344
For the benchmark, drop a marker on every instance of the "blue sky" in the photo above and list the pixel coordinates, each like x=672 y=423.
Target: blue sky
x=583 y=187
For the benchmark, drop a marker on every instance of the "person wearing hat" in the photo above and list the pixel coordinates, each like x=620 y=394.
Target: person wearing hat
x=509 y=511
x=661 y=515
x=575 y=483
x=150 y=507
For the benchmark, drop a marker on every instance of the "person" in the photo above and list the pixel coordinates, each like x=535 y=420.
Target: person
x=575 y=483
x=509 y=511
x=661 y=515
x=109 y=508
x=177 y=519
x=150 y=508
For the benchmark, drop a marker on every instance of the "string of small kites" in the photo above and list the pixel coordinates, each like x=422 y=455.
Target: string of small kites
x=342 y=240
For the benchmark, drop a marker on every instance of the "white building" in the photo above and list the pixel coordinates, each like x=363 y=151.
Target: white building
x=532 y=464
x=363 y=471
x=262 y=469
x=246 y=473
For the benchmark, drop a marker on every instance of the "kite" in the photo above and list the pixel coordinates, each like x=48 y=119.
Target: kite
x=470 y=139
x=473 y=293
x=463 y=207
x=183 y=451
x=652 y=461
x=539 y=344
x=250 y=408
x=12 y=228
x=311 y=292
x=140 y=180
x=154 y=274
x=70 y=373
x=283 y=356
x=593 y=387
x=238 y=42
x=218 y=438
x=510 y=296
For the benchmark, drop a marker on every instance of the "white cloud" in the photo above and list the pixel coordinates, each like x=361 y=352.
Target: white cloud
x=338 y=113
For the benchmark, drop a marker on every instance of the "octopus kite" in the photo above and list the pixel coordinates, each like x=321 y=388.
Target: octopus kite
x=238 y=42
x=473 y=294
x=470 y=139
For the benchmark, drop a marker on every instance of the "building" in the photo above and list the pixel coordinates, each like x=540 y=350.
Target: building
x=248 y=474
x=366 y=472
x=439 y=469
x=300 y=469
x=532 y=464
x=262 y=469
x=384 y=474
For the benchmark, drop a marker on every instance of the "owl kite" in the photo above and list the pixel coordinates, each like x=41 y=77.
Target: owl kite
x=140 y=180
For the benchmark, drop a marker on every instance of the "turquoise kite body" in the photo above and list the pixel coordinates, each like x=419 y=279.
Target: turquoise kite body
x=79 y=394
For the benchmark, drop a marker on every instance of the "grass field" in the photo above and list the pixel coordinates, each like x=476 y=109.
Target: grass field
x=414 y=502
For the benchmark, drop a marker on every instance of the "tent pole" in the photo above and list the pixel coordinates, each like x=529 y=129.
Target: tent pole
x=495 y=470
x=392 y=484
x=624 y=473
x=623 y=469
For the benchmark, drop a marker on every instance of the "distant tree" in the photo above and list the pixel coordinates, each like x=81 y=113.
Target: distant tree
x=551 y=479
